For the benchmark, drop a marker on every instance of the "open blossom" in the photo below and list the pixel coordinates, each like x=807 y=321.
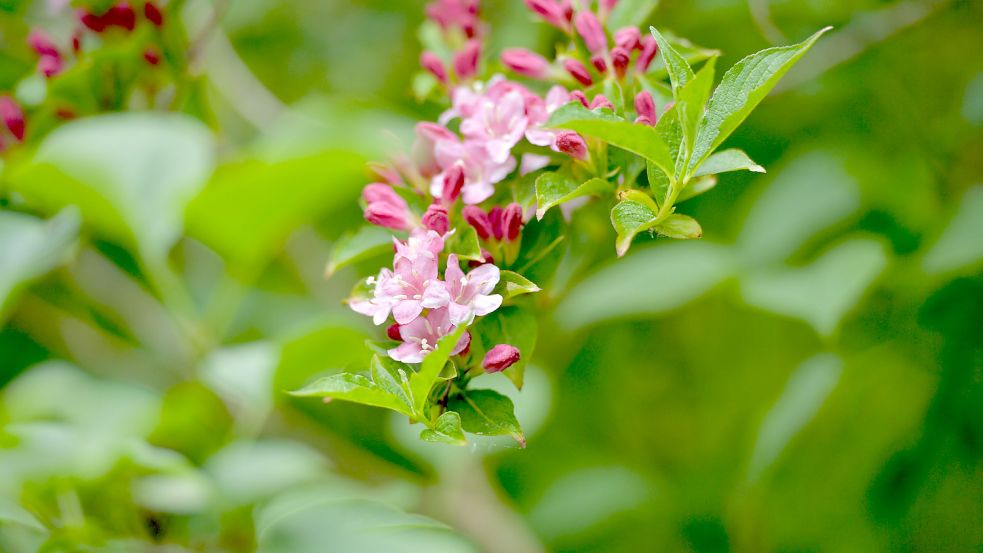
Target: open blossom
x=497 y=122
x=539 y=112
x=421 y=336
x=480 y=171
x=470 y=295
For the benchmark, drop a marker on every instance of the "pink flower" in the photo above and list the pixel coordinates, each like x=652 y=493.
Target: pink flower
x=649 y=49
x=421 y=336
x=645 y=105
x=590 y=29
x=498 y=123
x=428 y=135
x=462 y=14
x=380 y=304
x=12 y=117
x=470 y=295
x=480 y=171
x=620 y=58
x=550 y=11
x=385 y=208
x=628 y=38
x=436 y=219
x=466 y=61
x=433 y=64
x=526 y=63
x=539 y=113
x=500 y=358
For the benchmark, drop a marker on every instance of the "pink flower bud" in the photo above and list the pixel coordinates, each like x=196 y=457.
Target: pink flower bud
x=591 y=31
x=478 y=219
x=571 y=144
x=153 y=14
x=50 y=65
x=453 y=182
x=579 y=96
x=467 y=343
x=512 y=221
x=436 y=219
x=550 y=11
x=39 y=41
x=620 y=58
x=578 y=71
x=93 y=22
x=607 y=5
x=386 y=215
x=151 y=56
x=526 y=63
x=645 y=105
x=597 y=60
x=642 y=120
x=393 y=332
x=487 y=258
x=628 y=38
x=649 y=49
x=12 y=117
x=432 y=63
x=382 y=193
x=121 y=15
x=500 y=358
x=466 y=61
x=495 y=217
x=601 y=101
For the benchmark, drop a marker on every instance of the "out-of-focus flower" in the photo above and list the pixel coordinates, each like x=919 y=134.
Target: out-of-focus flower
x=578 y=71
x=526 y=63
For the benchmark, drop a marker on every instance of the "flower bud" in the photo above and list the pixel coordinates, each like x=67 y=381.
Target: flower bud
x=382 y=193
x=512 y=221
x=466 y=61
x=121 y=15
x=478 y=219
x=151 y=56
x=607 y=5
x=550 y=11
x=628 y=38
x=93 y=22
x=466 y=338
x=386 y=215
x=432 y=63
x=77 y=41
x=601 y=101
x=645 y=105
x=580 y=97
x=453 y=182
x=393 y=332
x=578 y=71
x=50 y=66
x=599 y=63
x=526 y=63
x=495 y=217
x=620 y=58
x=12 y=117
x=385 y=172
x=39 y=41
x=500 y=358
x=649 y=49
x=571 y=144
x=487 y=258
x=153 y=14
x=436 y=219
x=590 y=29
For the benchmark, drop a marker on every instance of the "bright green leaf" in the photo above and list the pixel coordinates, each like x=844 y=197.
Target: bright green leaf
x=681 y=227
x=487 y=413
x=422 y=381
x=466 y=245
x=726 y=161
x=680 y=72
x=631 y=13
x=691 y=104
x=355 y=388
x=634 y=214
x=446 y=430
x=554 y=189
x=367 y=242
x=696 y=187
x=512 y=284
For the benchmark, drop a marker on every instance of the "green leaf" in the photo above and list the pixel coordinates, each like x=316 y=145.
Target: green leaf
x=696 y=187
x=741 y=90
x=726 y=161
x=30 y=247
x=680 y=227
x=634 y=214
x=422 y=381
x=390 y=375
x=509 y=325
x=554 y=189
x=630 y=13
x=487 y=413
x=691 y=104
x=960 y=246
x=658 y=183
x=466 y=245
x=357 y=389
x=130 y=174
x=512 y=284
x=446 y=430
x=365 y=243
x=639 y=139
x=680 y=72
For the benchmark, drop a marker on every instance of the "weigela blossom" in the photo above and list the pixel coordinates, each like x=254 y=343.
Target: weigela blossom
x=421 y=336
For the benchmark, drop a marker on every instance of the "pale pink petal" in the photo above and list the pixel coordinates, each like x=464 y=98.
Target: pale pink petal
x=460 y=313
x=484 y=277
x=407 y=352
x=405 y=311
x=436 y=295
x=484 y=305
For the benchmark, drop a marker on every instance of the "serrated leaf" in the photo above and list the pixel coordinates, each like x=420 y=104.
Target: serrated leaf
x=680 y=227
x=487 y=413
x=726 y=161
x=509 y=325
x=355 y=388
x=630 y=13
x=696 y=187
x=691 y=104
x=634 y=214
x=639 y=139
x=363 y=244
x=658 y=183
x=680 y=72
x=512 y=284
x=553 y=189
x=422 y=381
x=447 y=430
x=741 y=90
x=466 y=245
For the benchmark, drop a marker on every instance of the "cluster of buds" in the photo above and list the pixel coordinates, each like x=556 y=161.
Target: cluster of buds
x=459 y=21
x=122 y=16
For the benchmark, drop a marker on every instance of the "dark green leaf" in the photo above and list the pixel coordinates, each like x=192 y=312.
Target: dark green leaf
x=487 y=413
x=446 y=430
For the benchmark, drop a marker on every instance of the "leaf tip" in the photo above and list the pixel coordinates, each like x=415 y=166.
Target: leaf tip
x=540 y=213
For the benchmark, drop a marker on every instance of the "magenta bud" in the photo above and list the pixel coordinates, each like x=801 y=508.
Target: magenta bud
x=121 y=15
x=590 y=29
x=382 y=193
x=649 y=49
x=453 y=182
x=645 y=105
x=487 y=258
x=578 y=71
x=571 y=144
x=550 y=11
x=607 y=5
x=526 y=63
x=500 y=358
x=12 y=117
x=466 y=61
x=467 y=343
x=580 y=97
x=93 y=22
x=436 y=219
x=153 y=14
x=512 y=221
x=601 y=101
x=628 y=38
x=50 y=65
x=478 y=219
x=393 y=332
x=599 y=63
x=386 y=215
x=151 y=56
x=432 y=63
x=620 y=58
x=39 y=41
x=495 y=218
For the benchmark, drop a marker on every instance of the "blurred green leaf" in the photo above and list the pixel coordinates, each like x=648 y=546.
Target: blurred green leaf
x=366 y=242
x=486 y=413
x=725 y=161
x=446 y=430
x=30 y=247
x=630 y=13
x=960 y=245
x=247 y=471
x=554 y=189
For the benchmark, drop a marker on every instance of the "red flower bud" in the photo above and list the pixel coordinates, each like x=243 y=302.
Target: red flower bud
x=436 y=219
x=487 y=258
x=39 y=41
x=153 y=14
x=649 y=49
x=453 y=182
x=590 y=29
x=599 y=63
x=466 y=61
x=121 y=15
x=495 y=218
x=151 y=56
x=579 y=96
x=432 y=63
x=467 y=343
x=620 y=58
x=628 y=38
x=526 y=63
x=393 y=332
x=93 y=22
x=645 y=105
x=601 y=101
x=512 y=221
x=12 y=117
x=550 y=11
x=77 y=41
x=479 y=220
x=571 y=144
x=500 y=358
x=578 y=71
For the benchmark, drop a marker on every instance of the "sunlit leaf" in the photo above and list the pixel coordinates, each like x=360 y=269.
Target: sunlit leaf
x=511 y=284
x=726 y=161
x=680 y=227
x=487 y=413
x=365 y=243
x=446 y=430
x=553 y=189
x=635 y=213
x=355 y=388
x=680 y=72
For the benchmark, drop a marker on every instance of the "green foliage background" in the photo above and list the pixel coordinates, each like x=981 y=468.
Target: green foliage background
x=807 y=377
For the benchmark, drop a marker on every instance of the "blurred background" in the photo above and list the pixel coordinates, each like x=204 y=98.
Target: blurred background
x=807 y=377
